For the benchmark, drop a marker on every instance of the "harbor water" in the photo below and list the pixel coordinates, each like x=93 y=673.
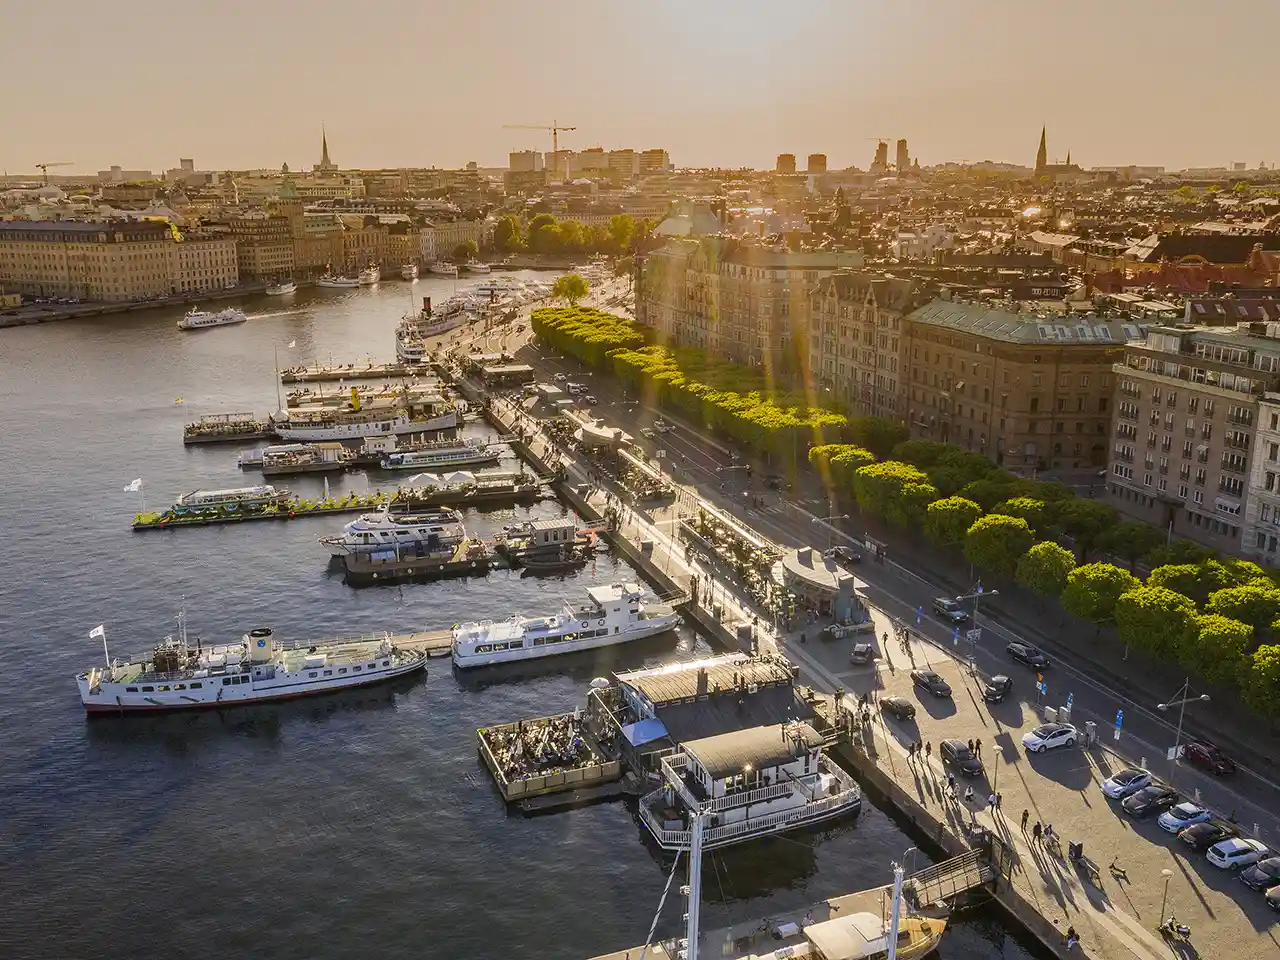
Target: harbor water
x=361 y=824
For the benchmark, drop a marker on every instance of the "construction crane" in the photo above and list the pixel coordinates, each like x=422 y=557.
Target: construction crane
x=555 y=129
x=56 y=163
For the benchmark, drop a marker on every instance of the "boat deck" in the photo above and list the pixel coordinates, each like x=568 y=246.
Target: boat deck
x=434 y=643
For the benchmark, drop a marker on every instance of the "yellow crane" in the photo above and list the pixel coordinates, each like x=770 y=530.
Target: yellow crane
x=55 y=163
x=555 y=129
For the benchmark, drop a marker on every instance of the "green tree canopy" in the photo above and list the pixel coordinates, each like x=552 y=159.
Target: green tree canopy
x=1262 y=681
x=507 y=235
x=571 y=287
x=921 y=453
x=621 y=229
x=1032 y=511
x=876 y=434
x=1180 y=551
x=1196 y=581
x=1217 y=648
x=1154 y=619
x=465 y=251
x=948 y=520
x=838 y=461
x=990 y=490
x=1093 y=589
x=1085 y=521
x=1130 y=541
x=996 y=543
x=1256 y=603
x=896 y=491
x=1044 y=568
x=957 y=468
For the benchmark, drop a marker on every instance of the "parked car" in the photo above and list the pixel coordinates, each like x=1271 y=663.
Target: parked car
x=1262 y=875
x=1026 y=653
x=1048 y=736
x=590 y=400
x=1153 y=799
x=900 y=707
x=1202 y=836
x=1236 y=852
x=646 y=432
x=560 y=377
x=928 y=680
x=997 y=688
x=1125 y=783
x=1273 y=898
x=949 y=609
x=956 y=753
x=845 y=556
x=1206 y=756
x=1183 y=815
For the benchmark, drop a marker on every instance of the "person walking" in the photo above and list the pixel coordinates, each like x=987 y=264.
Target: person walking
x=971 y=746
x=991 y=802
x=1035 y=833
x=977 y=749
x=951 y=781
x=1026 y=814
x=968 y=794
x=928 y=750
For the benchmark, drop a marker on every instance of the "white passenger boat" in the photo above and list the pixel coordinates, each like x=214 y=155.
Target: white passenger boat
x=475 y=266
x=378 y=417
x=408 y=271
x=287 y=458
x=281 y=287
x=448 y=454
x=257 y=669
x=197 y=319
x=369 y=275
x=415 y=328
x=419 y=530
x=444 y=269
x=614 y=614
x=332 y=280
x=232 y=500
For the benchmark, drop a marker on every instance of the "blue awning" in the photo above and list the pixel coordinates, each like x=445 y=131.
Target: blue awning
x=646 y=731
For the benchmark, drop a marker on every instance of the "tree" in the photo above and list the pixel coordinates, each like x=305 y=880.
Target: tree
x=465 y=251
x=1256 y=603
x=1093 y=589
x=1045 y=567
x=571 y=287
x=1217 y=648
x=1196 y=581
x=957 y=468
x=1262 y=681
x=1130 y=541
x=838 y=461
x=1032 y=511
x=1085 y=521
x=625 y=267
x=920 y=453
x=1180 y=551
x=990 y=490
x=896 y=491
x=876 y=434
x=996 y=543
x=570 y=237
x=1155 y=619
x=621 y=229
x=947 y=520
x=507 y=234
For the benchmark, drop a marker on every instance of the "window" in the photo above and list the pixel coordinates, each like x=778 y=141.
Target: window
x=356 y=668
x=226 y=681
x=1182 y=491
x=1035 y=404
x=342 y=670
x=1198 y=497
x=386 y=663
x=328 y=673
x=312 y=674
x=130 y=689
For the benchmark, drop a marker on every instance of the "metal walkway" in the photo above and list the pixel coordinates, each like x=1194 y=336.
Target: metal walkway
x=986 y=864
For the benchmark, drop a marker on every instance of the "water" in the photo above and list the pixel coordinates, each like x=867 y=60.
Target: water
x=361 y=824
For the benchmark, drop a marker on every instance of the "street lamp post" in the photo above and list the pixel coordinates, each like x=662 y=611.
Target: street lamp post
x=976 y=594
x=1184 y=697
x=838 y=516
x=1164 y=899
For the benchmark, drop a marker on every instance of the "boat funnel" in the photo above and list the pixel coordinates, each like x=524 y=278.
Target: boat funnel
x=261 y=644
x=355 y=398
x=426 y=306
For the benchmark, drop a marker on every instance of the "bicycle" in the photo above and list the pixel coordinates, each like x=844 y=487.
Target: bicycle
x=1052 y=845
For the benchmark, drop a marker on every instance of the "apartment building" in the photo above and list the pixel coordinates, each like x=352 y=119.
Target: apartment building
x=264 y=245
x=439 y=237
x=202 y=263
x=1031 y=391
x=654 y=161
x=1262 y=508
x=854 y=328
x=1188 y=408
x=116 y=260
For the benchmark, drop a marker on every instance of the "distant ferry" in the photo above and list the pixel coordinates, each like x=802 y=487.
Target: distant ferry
x=198 y=320
x=449 y=454
x=369 y=275
x=617 y=613
x=330 y=280
x=281 y=288
x=438 y=528
x=257 y=669
x=408 y=271
x=444 y=269
x=476 y=267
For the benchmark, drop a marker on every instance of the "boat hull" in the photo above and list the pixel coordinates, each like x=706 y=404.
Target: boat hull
x=847 y=810
x=659 y=625
x=218 y=697
x=356 y=431
x=280 y=289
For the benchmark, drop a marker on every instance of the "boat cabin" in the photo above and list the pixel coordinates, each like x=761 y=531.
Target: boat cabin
x=744 y=760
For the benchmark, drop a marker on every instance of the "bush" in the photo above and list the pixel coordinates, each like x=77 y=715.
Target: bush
x=996 y=543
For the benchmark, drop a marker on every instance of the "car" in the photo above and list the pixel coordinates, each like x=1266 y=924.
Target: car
x=1263 y=875
x=1273 y=898
x=1149 y=800
x=928 y=680
x=861 y=653
x=900 y=707
x=560 y=377
x=1236 y=852
x=1206 y=756
x=1202 y=836
x=950 y=609
x=774 y=482
x=1049 y=735
x=662 y=426
x=1184 y=815
x=997 y=688
x=646 y=432
x=1028 y=654
x=845 y=556
x=1125 y=783
x=956 y=753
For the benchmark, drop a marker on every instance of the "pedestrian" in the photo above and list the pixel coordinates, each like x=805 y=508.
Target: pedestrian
x=1035 y=833
x=1072 y=938
x=971 y=746
x=977 y=749
x=911 y=752
x=951 y=791
x=999 y=800
x=1025 y=815
x=928 y=750
x=968 y=794
x=951 y=780
x=991 y=801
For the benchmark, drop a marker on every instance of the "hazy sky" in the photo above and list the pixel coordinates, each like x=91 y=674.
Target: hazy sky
x=239 y=84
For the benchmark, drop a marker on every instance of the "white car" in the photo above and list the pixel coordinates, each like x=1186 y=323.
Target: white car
x=1126 y=782
x=1236 y=852
x=1182 y=816
x=1049 y=735
x=662 y=426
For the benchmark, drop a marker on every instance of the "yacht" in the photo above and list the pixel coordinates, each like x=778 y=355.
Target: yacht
x=444 y=269
x=408 y=271
x=448 y=454
x=438 y=528
x=330 y=280
x=378 y=417
x=499 y=287
x=280 y=287
x=476 y=267
x=410 y=349
x=233 y=500
x=617 y=613
x=369 y=275
x=256 y=669
x=199 y=320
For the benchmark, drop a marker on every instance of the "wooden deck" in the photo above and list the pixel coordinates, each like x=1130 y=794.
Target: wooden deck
x=352 y=372
x=436 y=643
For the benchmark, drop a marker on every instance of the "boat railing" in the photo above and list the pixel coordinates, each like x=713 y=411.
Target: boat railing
x=671 y=767
x=751 y=826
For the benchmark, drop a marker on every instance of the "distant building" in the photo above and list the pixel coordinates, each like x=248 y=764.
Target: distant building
x=786 y=163
x=881 y=163
x=525 y=161
x=654 y=161
x=1045 y=169
x=623 y=164
x=118 y=175
x=264 y=246
x=325 y=165
x=903 y=158
x=817 y=163
x=592 y=161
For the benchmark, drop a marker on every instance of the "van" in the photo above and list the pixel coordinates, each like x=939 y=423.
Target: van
x=576 y=388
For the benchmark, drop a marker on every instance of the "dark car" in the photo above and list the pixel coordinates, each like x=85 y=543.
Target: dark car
x=996 y=689
x=1201 y=836
x=845 y=556
x=900 y=707
x=952 y=610
x=956 y=753
x=774 y=482
x=1202 y=754
x=1026 y=653
x=1149 y=800
x=861 y=653
x=1262 y=875
x=928 y=680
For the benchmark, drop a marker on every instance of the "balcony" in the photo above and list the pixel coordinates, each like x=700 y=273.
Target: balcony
x=1124 y=414
x=1243 y=419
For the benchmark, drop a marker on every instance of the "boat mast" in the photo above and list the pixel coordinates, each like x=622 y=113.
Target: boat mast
x=693 y=891
x=895 y=913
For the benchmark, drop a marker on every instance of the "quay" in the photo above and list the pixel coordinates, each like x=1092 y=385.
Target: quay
x=349 y=371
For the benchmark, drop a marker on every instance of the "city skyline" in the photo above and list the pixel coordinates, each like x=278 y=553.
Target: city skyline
x=723 y=84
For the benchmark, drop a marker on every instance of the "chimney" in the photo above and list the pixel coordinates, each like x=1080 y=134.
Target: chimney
x=426 y=305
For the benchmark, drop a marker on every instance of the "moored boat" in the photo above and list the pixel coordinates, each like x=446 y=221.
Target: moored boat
x=281 y=287
x=287 y=458
x=197 y=319
x=376 y=417
x=437 y=529
x=450 y=453
x=474 y=266
x=369 y=275
x=444 y=269
x=336 y=281
x=408 y=271
x=232 y=500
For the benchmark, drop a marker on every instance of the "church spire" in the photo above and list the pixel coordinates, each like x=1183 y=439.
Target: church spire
x=324 y=148
x=1042 y=155
x=1068 y=158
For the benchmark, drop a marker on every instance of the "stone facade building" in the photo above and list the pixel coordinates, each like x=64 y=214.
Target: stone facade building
x=264 y=246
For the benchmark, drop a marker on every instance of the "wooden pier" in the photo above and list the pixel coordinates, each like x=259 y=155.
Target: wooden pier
x=350 y=371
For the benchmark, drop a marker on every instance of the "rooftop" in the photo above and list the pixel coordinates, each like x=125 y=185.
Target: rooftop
x=1001 y=322
x=755 y=748
x=676 y=682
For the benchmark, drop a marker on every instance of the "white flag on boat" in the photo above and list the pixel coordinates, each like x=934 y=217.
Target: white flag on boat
x=134 y=487
x=293 y=343
x=99 y=631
